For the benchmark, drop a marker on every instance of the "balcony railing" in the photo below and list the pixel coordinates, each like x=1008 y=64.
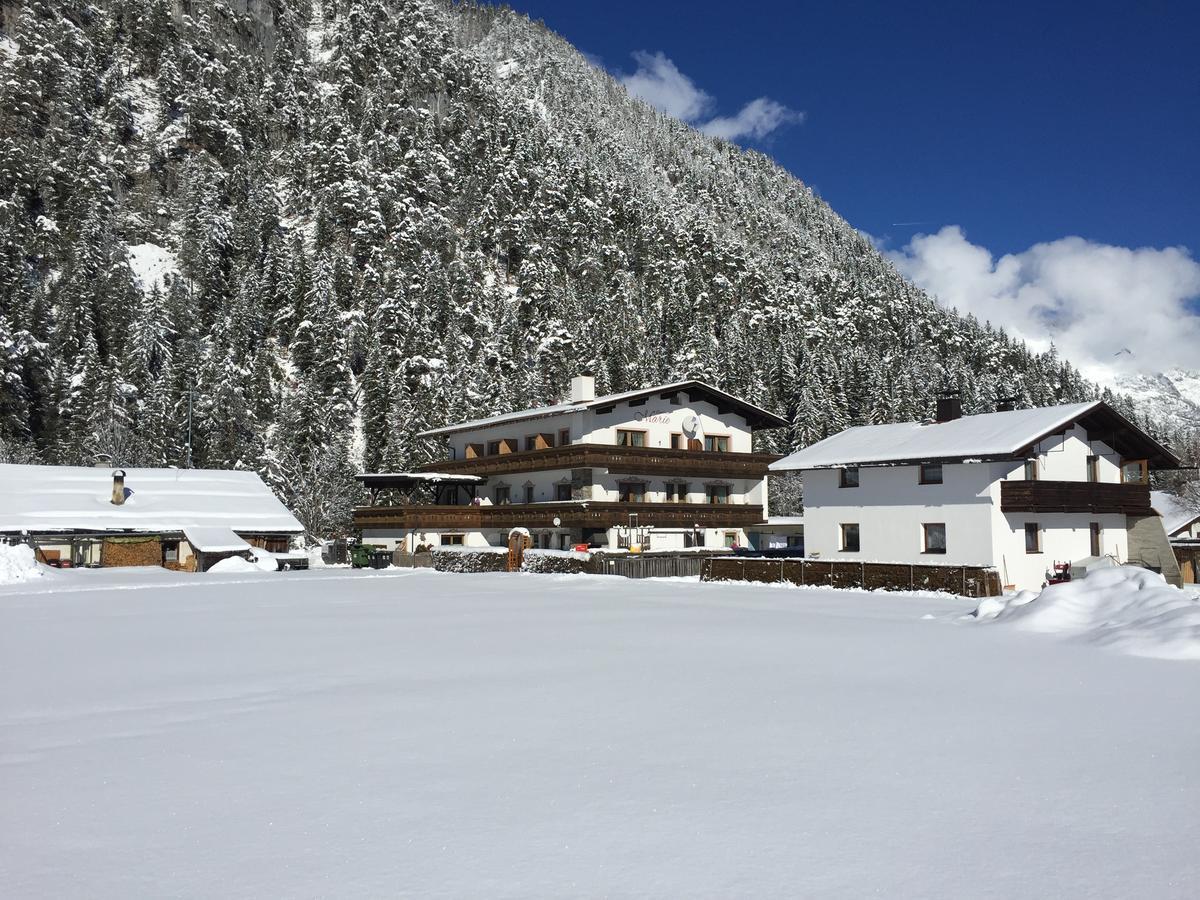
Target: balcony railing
x=575 y=514
x=617 y=460
x=1074 y=497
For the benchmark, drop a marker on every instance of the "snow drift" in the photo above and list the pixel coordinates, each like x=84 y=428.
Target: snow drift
x=17 y=564
x=1128 y=608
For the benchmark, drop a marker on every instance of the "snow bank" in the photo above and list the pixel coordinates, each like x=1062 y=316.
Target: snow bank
x=17 y=564
x=237 y=565
x=1128 y=608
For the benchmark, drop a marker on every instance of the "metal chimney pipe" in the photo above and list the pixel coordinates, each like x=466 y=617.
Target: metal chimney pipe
x=118 y=493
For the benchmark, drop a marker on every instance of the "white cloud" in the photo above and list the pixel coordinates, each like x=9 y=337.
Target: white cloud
x=659 y=82
x=1094 y=301
x=757 y=119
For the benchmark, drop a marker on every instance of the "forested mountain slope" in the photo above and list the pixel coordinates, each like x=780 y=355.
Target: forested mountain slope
x=327 y=227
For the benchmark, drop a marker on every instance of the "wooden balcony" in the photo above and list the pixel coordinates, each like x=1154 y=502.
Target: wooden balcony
x=575 y=514
x=617 y=460
x=1074 y=497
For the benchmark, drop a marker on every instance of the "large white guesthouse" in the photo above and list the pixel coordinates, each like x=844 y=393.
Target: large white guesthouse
x=1019 y=490
x=664 y=468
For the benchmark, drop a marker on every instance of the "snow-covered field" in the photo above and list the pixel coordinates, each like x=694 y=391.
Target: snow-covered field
x=339 y=734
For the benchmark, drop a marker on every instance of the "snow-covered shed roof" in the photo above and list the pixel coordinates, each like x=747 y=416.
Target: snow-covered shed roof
x=76 y=498
x=1175 y=515
x=998 y=435
x=214 y=539
x=756 y=417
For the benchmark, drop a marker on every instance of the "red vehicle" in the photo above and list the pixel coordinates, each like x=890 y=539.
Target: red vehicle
x=1060 y=573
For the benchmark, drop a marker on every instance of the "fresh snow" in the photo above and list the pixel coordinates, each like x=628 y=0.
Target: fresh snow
x=1176 y=514
x=17 y=564
x=413 y=733
x=989 y=434
x=1126 y=608
x=64 y=498
x=152 y=265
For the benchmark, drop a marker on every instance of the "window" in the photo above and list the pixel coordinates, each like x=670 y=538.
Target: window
x=452 y=540
x=1093 y=468
x=1033 y=538
x=1031 y=470
x=677 y=441
x=529 y=493
x=931 y=473
x=850 y=537
x=564 y=437
x=531 y=442
x=170 y=551
x=731 y=539
x=848 y=478
x=717 y=493
x=626 y=438
x=716 y=443
x=1134 y=471
x=562 y=491
x=1094 y=529
x=503 y=495
x=935 y=537
x=493 y=448
x=632 y=492
x=677 y=491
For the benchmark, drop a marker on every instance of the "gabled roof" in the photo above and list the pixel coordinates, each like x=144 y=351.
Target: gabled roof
x=998 y=435
x=76 y=498
x=1175 y=515
x=756 y=417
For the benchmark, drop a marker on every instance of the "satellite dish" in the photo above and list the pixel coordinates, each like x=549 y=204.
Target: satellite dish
x=557 y=521
x=691 y=424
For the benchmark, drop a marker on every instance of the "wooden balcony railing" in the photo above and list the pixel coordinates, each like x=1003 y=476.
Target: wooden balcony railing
x=617 y=460
x=1074 y=497
x=575 y=514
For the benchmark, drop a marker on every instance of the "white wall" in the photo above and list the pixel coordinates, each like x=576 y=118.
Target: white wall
x=890 y=506
x=1066 y=537
x=658 y=418
x=1064 y=458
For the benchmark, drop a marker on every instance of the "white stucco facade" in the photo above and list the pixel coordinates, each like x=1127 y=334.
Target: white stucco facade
x=891 y=508
x=688 y=420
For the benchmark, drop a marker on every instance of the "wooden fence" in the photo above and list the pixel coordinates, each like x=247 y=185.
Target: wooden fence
x=635 y=566
x=968 y=581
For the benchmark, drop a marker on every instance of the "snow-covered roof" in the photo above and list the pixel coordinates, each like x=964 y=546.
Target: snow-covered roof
x=214 y=539
x=432 y=477
x=70 y=498
x=757 y=416
x=989 y=435
x=1175 y=515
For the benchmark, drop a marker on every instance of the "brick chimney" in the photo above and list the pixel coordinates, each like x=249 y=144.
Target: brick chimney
x=583 y=388
x=118 y=494
x=949 y=406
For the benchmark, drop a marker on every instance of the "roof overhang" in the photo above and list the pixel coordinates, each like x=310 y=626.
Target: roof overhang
x=756 y=417
x=1105 y=424
x=409 y=480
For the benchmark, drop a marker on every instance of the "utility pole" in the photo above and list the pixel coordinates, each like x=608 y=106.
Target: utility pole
x=189 y=444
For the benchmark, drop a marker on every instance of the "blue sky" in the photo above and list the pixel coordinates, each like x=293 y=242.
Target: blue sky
x=991 y=129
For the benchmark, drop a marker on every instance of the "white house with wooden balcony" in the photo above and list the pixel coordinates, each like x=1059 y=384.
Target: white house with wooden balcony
x=665 y=467
x=1018 y=490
